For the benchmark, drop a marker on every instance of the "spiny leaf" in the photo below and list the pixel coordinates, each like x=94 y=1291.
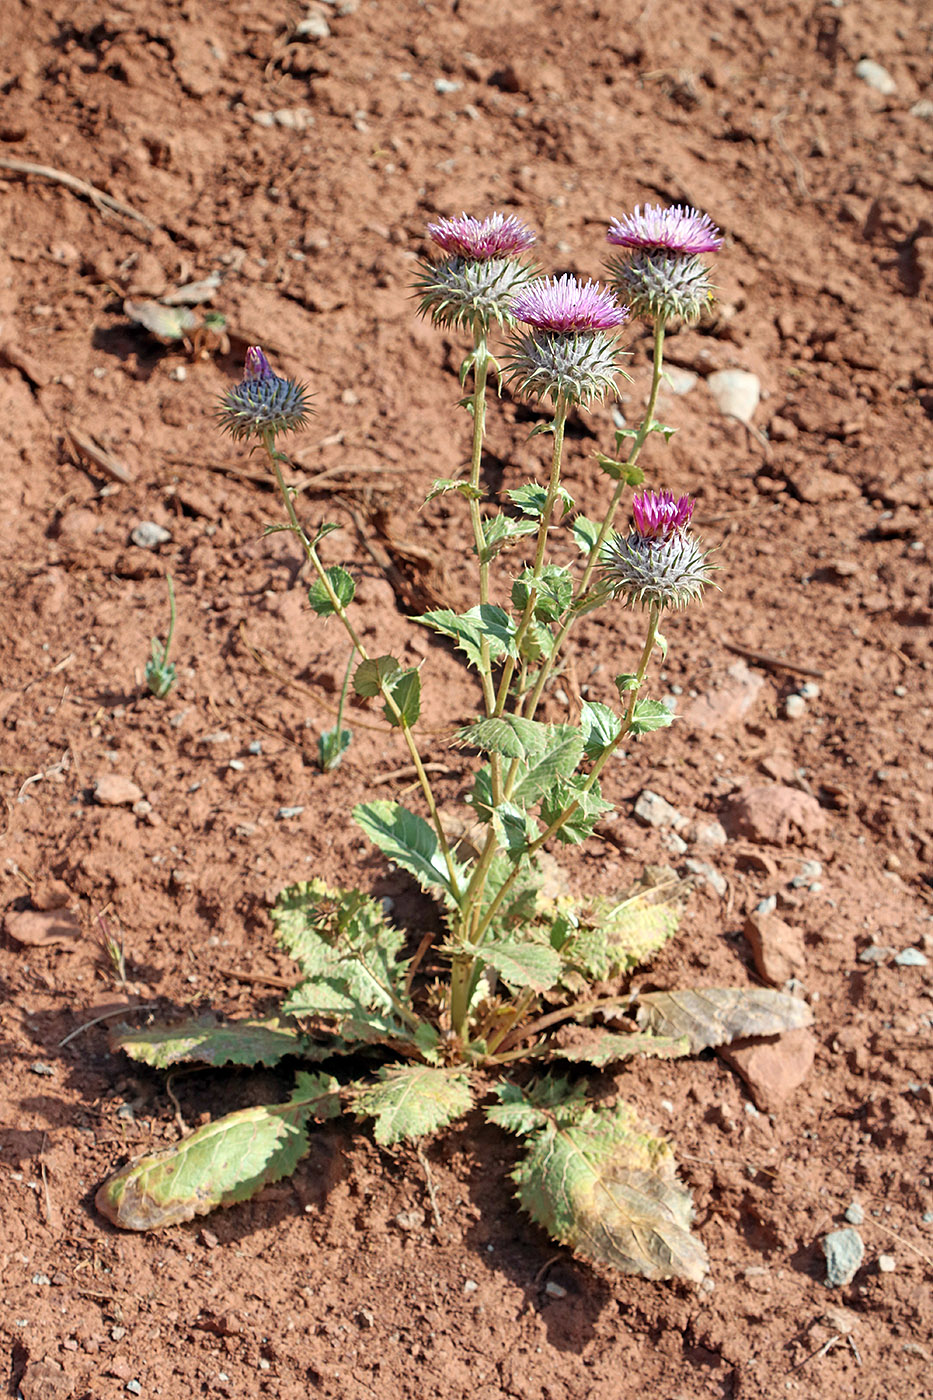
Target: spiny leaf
x=649 y=715
x=443 y=484
x=599 y=1182
x=410 y=842
x=405 y=689
x=222 y=1163
x=585 y=533
x=600 y=727
x=342 y=584
x=711 y=1016
x=500 y=530
x=599 y=1048
x=511 y=736
x=613 y=936
x=468 y=629
x=412 y=1100
x=204 y=1042
x=553 y=592
x=370 y=676
x=590 y=806
x=522 y=964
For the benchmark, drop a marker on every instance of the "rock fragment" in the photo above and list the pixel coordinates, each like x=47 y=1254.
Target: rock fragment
x=777 y=948
x=737 y=393
x=772 y=1068
x=652 y=810
x=149 y=535
x=114 y=790
x=876 y=77
x=727 y=703
x=42 y=928
x=844 y=1253
x=774 y=814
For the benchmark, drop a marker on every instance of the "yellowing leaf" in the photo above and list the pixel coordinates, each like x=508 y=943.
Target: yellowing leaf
x=711 y=1016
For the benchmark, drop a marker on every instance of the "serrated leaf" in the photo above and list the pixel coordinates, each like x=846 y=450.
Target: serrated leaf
x=515 y=830
x=586 y=533
x=500 y=530
x=712 y=1016
x=600 y=726
x=204 y=1042
x=405 y=689
x=531 y=498
x=590 y=807
x=409 y=841
x=342 y=584
x=370 y=676
x=511 y=736
x=523 y=964
x=445 y=484
x=649 y=715
x=468 y=629
x=600 y=1183
x=222 y=1163
x=599 y=1048
x=621 y=471
x=553 y=592
x=410 y=1101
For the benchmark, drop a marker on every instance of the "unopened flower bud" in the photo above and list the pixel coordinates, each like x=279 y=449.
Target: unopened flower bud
x=263 y=402
x=660 y=563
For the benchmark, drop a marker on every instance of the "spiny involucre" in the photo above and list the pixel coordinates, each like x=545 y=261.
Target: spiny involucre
x=263 y=403
x=475 y=284
x=660 y=563
x=569 y=350
x=660 y=272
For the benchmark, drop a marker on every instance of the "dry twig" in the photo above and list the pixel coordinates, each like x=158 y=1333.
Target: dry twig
x=100 y=198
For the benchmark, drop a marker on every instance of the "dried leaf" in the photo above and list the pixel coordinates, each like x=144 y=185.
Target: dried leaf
x=600 y=1048
x=711 y=1016
x=599 y=1182
x=222 y=1163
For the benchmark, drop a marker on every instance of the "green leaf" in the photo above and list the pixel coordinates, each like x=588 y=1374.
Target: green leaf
x=621 y=471
x=523 y=964
x=531 y=499
x=514 y=829
x=626 y=683
x=553 y=592
x=222 y=1163
x=342 y=584
x=559 y=761
x=600 y=727
x=328 y=527
x=609 y=936
x=410 y=842
x=586 y=534
x=332 y=744
x=405 y=689
x=649 y=715
x=204 y=1042
x=511 y=736
x=444 y=484
x=599 y=1182
x=599 y=1048
x=370 y=676
x=711 y=1016
x=590 y=807
x=499 y=531
x=412 y=1100
x=348 y=952
x=466 y=630
x=480 y=795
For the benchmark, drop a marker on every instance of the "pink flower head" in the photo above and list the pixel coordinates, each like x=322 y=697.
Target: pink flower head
x=680 y=229
x=564 y=305
x=658 y=516
x=499 y=236
x=257 y=366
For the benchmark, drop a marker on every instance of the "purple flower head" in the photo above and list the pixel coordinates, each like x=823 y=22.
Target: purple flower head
x=498 y=236
x=257 y=366
x=680 y=229
x=657 y=515
x=564 y=305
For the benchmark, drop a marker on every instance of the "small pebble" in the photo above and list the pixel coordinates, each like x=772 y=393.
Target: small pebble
x=149 y=535
x=470 y=1286
x=134 y=1387
x=886 y=1263
x=876 y=77
x=256 y=746
x=844 y=1253
x=284 y=813
x=854 y=1213
x=554 y=1290
x=795 y=706
x=445 y=85
x=38 y=1067
x=809 y=690
x=911 y=957
x=766 y=906
x=875 y=953
x=237 y=765
x=41 y=1280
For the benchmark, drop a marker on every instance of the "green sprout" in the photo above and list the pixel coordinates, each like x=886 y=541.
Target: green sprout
x=160 y=672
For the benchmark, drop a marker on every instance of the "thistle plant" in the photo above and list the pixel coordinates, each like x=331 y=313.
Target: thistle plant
x=500 y=1009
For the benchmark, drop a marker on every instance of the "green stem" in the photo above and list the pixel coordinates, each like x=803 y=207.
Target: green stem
x=598 y=766
x=637 y=443
x=171 y=617
x=268 y=439
x=344 y=689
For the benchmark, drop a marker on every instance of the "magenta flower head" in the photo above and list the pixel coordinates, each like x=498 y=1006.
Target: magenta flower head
x=498 y=236
x=660 y=563
x=569 y=350
x=680 y=230
x=477 y=281
x=657 y=514
x=263 y=403
x=660 y=273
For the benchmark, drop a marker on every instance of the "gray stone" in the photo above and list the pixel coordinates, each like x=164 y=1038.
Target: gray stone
x=284 y=813
x=652 y=810
x=875 y=953
x=854 y=1213
x=911 y=957
x=314 y=27
x=707 y=873
x=737 y=393
x=149 y=535
x=844 y=1253
x=795 y=707
x=876 y=77
x=886 y=1263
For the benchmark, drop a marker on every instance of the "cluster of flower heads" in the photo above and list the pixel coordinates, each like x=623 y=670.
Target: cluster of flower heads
x=659 y=563
x=661 y=274
x=263 y=403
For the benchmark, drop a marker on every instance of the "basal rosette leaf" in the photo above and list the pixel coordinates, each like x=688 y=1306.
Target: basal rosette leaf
x=523 y=964
x=607 y=937
x=410 y=1101
x=600 y=1183
x=711 y=1016
x=203 y=1041
x=600 y=1048
x=219 y=1165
